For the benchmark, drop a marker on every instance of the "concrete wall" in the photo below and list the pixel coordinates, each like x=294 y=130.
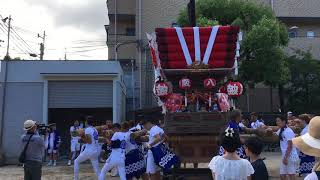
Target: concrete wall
x=123 y=6
x=305 y=44
x=154 y=14
x=258 y=100
x=29 y=71
x=23 y=101
x=297 y=8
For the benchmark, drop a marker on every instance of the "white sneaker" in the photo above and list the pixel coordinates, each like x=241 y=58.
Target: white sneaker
x=114 y=172
x=54 y=163
x=69 y=163
x=49 y=163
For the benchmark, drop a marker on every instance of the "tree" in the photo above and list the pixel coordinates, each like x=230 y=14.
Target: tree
x=304 y=87
x=262 y=56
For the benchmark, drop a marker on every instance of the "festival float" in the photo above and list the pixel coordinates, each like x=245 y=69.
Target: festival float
x=192 y=66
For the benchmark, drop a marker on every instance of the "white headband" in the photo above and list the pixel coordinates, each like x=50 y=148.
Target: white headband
x=311 y=141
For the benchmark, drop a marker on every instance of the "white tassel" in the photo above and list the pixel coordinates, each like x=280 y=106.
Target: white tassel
x=238 y=45
x=240 y=36
x=235 y=66
x=210 y=99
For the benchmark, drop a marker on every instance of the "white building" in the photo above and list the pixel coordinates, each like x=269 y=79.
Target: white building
x=57 y=91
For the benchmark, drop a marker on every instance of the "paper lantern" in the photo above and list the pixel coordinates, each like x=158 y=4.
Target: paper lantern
x=234 y=89
x=174 y=102
x=222 y=89
x=161 y=89
x=185 y=83
x=209 y=83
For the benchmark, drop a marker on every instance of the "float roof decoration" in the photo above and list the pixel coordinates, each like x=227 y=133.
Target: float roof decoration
x=205 y=47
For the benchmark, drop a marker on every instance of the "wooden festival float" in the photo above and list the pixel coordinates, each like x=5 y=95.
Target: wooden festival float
x=191 y=67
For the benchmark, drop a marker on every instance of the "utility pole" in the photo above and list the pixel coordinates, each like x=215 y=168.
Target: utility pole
x=115 y=28
x=192 y=13
x=133 y=86
x=7 y=57
x=43 y=37
x=65 y=54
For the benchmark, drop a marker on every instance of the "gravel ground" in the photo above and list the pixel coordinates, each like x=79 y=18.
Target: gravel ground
x=63 y=172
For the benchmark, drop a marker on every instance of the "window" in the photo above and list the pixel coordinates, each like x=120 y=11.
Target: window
x=292 y=33
x=310 y=34
x=130 y=31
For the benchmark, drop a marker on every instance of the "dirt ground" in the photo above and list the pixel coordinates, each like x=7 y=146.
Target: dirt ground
x=63 y=172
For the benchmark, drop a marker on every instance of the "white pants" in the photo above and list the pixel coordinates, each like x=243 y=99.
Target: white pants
x=152 y=168
x=52 y=151
x=115 y=160
x=75 y=146
x=87 y=154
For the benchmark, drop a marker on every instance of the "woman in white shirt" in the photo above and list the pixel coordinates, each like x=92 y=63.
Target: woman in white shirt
x=290 y=158
x=230 y=166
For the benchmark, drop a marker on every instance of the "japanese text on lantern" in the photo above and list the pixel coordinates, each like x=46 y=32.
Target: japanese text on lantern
x=185 y=83
x=162 y=89
x=232 y=89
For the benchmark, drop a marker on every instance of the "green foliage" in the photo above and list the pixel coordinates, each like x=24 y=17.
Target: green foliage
x=7 y=58
x=17 y=58
x=304 y=88
x=262 y=57
x=203 y=22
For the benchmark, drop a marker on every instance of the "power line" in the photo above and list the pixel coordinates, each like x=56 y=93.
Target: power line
x=89 y=46
x=22 y=50
x=13 y=30
x=86 y=50
x=15 y=38
x=23 y=30
x=27 y=45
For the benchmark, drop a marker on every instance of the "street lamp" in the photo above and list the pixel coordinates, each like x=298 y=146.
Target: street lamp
x=124 y=43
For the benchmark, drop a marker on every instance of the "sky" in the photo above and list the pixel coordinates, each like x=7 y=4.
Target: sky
x=73 y=27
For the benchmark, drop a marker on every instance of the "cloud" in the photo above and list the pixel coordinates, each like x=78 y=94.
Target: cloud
x=87 y=15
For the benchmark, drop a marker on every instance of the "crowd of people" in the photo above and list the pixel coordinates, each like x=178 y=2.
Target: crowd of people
x=132 y=150
x=299 y=146
x=139 y=150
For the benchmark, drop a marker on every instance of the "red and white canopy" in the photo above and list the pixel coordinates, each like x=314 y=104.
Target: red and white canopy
x=216 y=46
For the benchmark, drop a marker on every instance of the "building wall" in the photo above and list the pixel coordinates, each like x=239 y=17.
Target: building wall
x=23 y=101
x=123 y=6
x=305 y=44
x=154 y=14
x=30 y=71
x=301 y=14
x=258 y=100
x=27 y=90
x=2 y=74
x=297 y=8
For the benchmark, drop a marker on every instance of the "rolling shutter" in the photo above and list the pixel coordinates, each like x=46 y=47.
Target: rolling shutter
x=80 y=94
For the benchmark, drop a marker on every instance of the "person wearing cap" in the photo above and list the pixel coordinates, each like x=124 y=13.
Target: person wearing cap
x=309 y=144
x=34 y=152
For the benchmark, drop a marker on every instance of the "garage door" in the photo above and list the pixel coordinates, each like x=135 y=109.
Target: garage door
x=80 y=94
